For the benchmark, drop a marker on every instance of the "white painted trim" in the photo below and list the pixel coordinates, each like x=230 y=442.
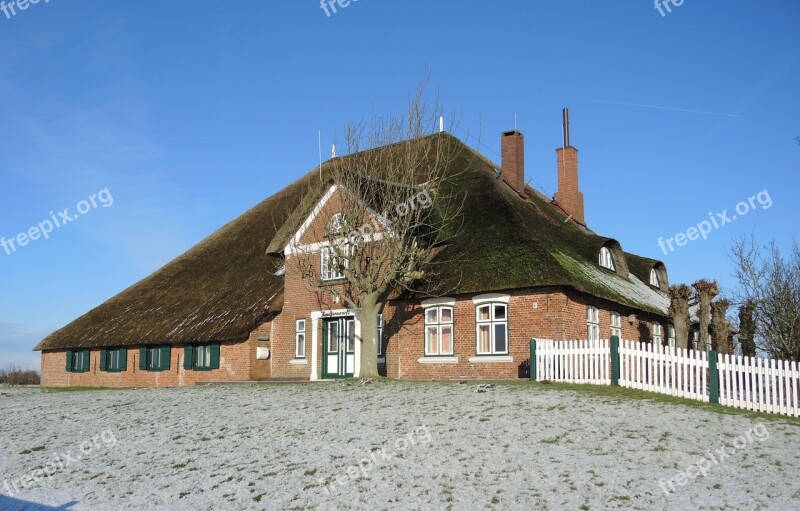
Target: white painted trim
x=491 y=297
x=491 y=359
x=314 y=342
x=311 y=217
x=298 y=362
x=294 y=249
x=438 y=360
x=437 y=302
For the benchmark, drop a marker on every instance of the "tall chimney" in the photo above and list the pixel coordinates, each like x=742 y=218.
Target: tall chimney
x=569 y=196
x=513 y=149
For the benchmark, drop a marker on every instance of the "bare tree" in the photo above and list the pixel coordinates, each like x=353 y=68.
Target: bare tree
x=721 y=327
x=747 y=328
x=679 y=312
x=705 y=291
x=394 y=208
x=770 y=283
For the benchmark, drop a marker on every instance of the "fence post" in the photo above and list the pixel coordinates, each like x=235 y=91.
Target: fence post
x=615 y=360
x=533 y=360
x=713 y=377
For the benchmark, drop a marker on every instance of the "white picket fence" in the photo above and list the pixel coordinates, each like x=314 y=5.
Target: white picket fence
x=665 y=370
x=574 y=361
x=763 y=385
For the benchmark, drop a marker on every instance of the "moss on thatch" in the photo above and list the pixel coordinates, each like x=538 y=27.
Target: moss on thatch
x=222 y=288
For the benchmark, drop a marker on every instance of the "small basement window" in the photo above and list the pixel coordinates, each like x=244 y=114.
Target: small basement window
x=154 y=358
x=78 y=361
x=114 y=360
x=201 y=357
x=606 y=259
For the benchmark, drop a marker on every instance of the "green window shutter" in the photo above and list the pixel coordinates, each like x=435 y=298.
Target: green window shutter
x=69 y=361
x=104 y=360
x=123 y=359
x=214 y=356
x=188 y=356
x=143 y=358
x=85 y=360
x=165 y=357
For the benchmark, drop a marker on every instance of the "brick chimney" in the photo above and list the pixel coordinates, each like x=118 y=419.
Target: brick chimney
x=513 y=149
x=569 y=196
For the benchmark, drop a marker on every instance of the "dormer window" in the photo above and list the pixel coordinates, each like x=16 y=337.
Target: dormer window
x=606 y=261
x=654 y=278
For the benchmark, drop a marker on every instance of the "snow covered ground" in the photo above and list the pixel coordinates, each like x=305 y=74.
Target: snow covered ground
x=420 y=446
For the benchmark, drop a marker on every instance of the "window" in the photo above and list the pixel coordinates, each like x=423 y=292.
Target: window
x=671 y=336
x=114 y=360
x=337 y=224
x=438 y=331
x=154 y=358
x=616 y=325
x=380 y=335
x=200 y=357
x=492 y=329
x=593 y=323
x=332 y=268
x=606 y=261
x=658 y=333
x=78 y=361
x=300 y=338
x=654 y=278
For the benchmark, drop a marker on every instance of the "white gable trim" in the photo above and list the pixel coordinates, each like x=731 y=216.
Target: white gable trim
x=295 y=241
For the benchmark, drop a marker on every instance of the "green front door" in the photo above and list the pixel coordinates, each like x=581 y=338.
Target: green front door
x=338 y=348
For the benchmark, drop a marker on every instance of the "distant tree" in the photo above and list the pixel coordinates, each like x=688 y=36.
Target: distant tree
x=680 y=296
x=721 y=327
x=394 y=215
x=769 y=282
x=705 y=291
x=747 y=328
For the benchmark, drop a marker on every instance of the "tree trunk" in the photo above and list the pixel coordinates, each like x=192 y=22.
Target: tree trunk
x=368 y=316
x=681 y=324
x=747 y=329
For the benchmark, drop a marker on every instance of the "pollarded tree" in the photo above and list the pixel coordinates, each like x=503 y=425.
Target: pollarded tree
x=705 y=291
x=747 y=328
x=721 y=327
x=394 y=211
x=680 y=296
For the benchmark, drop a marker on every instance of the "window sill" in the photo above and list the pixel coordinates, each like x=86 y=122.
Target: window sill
x=490 y=359
x=438 y=360
x=298 y=362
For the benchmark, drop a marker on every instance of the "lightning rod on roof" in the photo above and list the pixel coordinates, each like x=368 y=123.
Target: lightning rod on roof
x=566 y=127
x=333 y=151
x=319 y=145
x=441 y=124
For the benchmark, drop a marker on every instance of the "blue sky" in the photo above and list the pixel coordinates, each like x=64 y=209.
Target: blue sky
x=190 y=112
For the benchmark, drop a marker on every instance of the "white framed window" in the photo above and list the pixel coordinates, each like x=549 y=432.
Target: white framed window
x=380 y=335
x=330 y=266
x=606 y=260
x=654 y=278
x=671 y=336
x=593 y=323
x=300 y=338
x=438 y=331
x=616 y=325
x=658 y=333
x=492 y=329
x=337 y=224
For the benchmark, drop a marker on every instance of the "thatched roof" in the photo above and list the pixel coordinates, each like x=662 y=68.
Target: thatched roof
x=223 y=287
